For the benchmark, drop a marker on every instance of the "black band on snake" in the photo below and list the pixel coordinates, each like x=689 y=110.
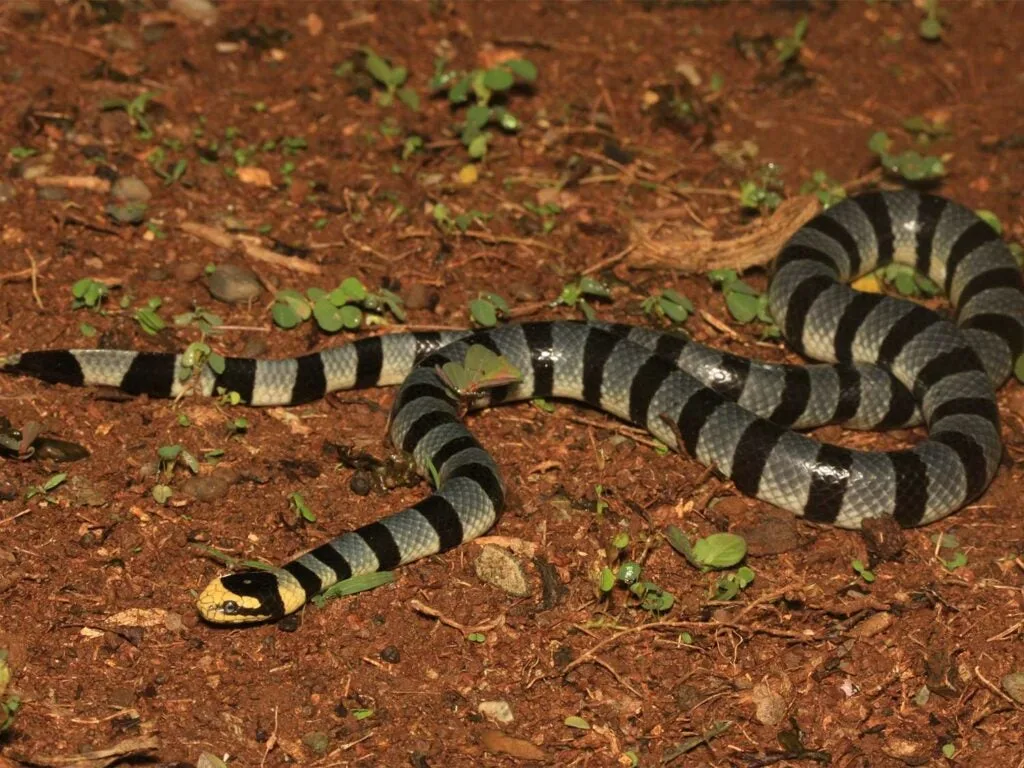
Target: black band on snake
x=893 y=363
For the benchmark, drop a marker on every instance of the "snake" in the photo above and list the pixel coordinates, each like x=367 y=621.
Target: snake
x=884 y=362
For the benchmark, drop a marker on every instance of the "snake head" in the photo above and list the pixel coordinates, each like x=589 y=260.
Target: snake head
x=248 y=597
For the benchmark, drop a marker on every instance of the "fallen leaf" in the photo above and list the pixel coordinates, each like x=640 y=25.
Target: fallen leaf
x=496 y=741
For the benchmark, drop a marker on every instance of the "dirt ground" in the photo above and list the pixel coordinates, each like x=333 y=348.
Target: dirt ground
x=642 y=116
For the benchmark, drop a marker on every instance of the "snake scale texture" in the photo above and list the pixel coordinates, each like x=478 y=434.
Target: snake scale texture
x=890 y=363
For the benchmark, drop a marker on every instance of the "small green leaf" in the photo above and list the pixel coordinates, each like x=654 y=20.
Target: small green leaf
x=574 y=721
x=879 y=142
x=377 y=67
x=410 y=98
x=523 y=68
x=720 y=550
x=285 y=315
x=959 y=560
x=742 y=306
x=498 y=79
x=459 y=92
x=930 y=29
x=162 y=493
x=483 y=312
x=476 y=637
x=477 y=147
x=477 y=116
x=621 y=540
x=54 y=480
x=606 y=580
x=948 y=750
x=327 y=316
x=353 y=289
x=629 y=573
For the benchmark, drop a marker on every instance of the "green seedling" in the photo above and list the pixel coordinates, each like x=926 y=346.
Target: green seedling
x=197 y=355
x=574 y=721
x=909 y=165
x=487 y=308
x=50 y=484
x=162 y=493
x=354 y=585
x=88 y=293
x=349 y=306
x=765 y=192
x=136 y=111
x=925 y=130
x=480 y=369
x=476 y=637
x=907 y=280
x=730 y=585
x=715 y=552
x=302 y=511
x=546 y=213
x=173 y=455
x=931 y=25
x=862 y=570
x=822 y=186
x=9 y=703
x=745 y=303
x=478 y=89
x=788 y=48
x=207 y=322
x=668 y=304
x=575 y=295
x=148 y=319
x=449 y=223
x=393 y=79
x=21 y=153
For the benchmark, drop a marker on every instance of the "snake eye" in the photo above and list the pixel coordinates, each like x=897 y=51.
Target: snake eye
x=230 y=607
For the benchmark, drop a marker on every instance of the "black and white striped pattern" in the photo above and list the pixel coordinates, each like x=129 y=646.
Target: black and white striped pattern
x=725 y=411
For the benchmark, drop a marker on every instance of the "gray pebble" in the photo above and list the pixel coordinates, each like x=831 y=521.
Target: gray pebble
x=130 y=189
x=208 y=488
x=499 y=568
x=497 y=711
x=1013 y=684
x=233 y=284
x=202 y=11
x=52 y=193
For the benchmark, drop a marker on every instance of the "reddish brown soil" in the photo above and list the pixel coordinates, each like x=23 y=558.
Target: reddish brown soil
x=843 y=660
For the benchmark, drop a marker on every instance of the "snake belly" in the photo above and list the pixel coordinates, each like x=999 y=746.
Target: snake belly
x=892 y=363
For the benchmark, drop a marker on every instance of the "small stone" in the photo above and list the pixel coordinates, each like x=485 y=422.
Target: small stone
x=84 y=493
x=771 y=707
x=318 y=742
x=419 y=296
x=130 y=189
x=884 y=539
x=873 y=625
x=35 y=168
x=499 y=568
x=496 y=711
x=208 y=488
x=360 y=484
x=1013 y=684
x=54 y=194
x=233 y=284
x=7 y=192
x=202 y=11
x=128 y=213
x=771 y=536
x=187 y=271
x=255 y=346
x=391 y=655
